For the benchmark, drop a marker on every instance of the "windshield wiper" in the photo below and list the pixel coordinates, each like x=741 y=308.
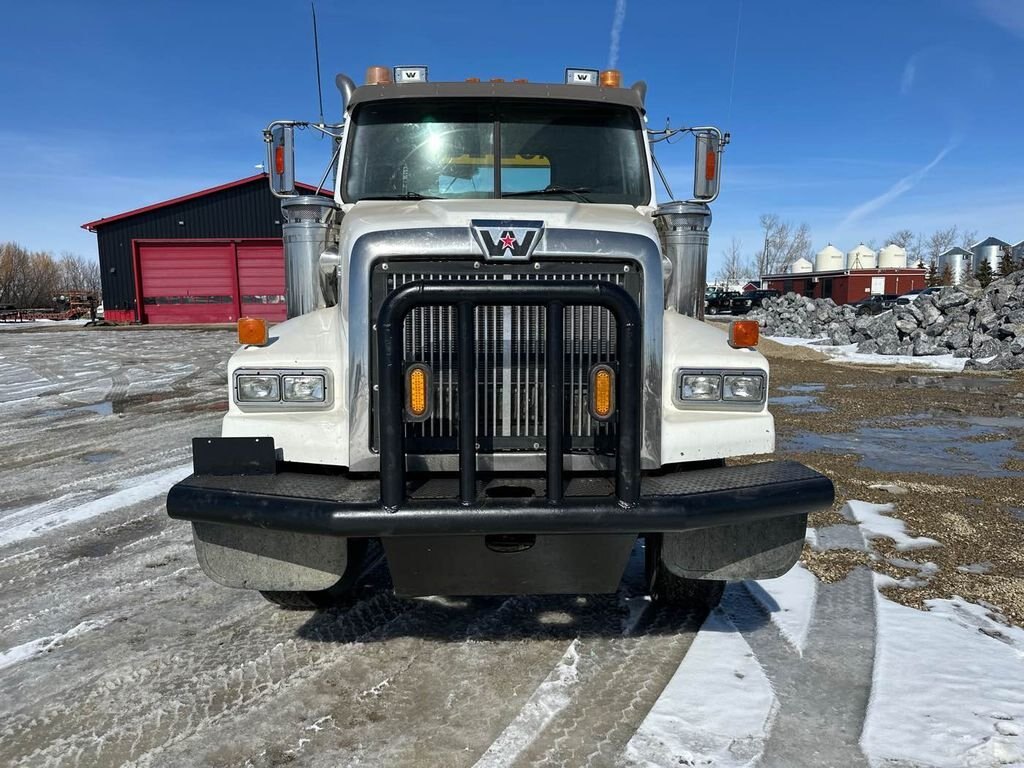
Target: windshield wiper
x=401 y=196
x=553 y=189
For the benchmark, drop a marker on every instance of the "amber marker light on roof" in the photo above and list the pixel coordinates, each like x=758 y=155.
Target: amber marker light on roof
x=252 y=331
x=744 y=334
x=378 y=76
x=611 y=78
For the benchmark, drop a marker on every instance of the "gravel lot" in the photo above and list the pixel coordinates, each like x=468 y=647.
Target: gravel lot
x=115 y=649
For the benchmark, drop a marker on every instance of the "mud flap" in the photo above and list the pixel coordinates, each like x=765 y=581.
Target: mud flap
x=254 y=558
x=756 y=550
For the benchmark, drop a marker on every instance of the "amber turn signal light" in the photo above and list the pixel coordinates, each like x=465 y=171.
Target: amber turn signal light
x=744 y=333
x=611 y=78
x=417 y=392
x=252 y=331
x=602 y=392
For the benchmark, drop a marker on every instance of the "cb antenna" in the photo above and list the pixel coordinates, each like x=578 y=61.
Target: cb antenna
x=316 y=49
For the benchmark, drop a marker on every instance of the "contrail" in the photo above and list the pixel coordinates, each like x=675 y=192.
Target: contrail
x=620 y=18
x=900 y=187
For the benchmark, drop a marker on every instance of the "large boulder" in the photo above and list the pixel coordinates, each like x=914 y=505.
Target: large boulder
x=926 y=345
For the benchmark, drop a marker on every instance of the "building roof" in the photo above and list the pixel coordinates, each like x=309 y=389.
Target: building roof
x=840 y=271
x=92 y=225
x=989 y=241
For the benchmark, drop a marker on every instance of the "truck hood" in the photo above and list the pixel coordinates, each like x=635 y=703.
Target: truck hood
x=374 y=216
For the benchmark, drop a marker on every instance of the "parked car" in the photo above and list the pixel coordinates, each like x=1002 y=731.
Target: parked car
x=907 y=298
x=875 y=305
x=748 y=300
x=717 y=302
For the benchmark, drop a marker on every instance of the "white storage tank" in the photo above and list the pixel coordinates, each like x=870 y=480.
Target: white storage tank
x=829 y=259
x=960 y=262
x=800 y=265
x=892 y=257
x=861 y=257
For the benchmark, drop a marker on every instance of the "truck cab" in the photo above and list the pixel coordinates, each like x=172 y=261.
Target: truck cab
x=495 y=367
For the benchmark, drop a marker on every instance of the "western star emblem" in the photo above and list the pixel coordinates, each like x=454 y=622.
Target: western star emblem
x=503 y=240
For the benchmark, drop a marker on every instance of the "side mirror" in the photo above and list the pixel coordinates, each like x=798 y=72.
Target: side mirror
x=281 y=158
x=707 y=166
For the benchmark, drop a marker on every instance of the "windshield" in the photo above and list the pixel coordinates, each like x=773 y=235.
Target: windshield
x=445 y=149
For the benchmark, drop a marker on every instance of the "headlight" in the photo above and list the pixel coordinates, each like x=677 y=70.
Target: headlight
x=283 y=389
x=259 y=389
x=746 y=388
x=694 y=386
x=304 y=389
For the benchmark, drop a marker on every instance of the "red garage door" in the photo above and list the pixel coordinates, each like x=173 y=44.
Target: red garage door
x=210 y=282
x=188 y=282
x=261 y=280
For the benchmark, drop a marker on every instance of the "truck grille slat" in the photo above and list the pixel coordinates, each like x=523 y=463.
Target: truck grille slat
x=511 y=410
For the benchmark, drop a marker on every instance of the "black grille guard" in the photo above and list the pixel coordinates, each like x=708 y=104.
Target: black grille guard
x=555 y=296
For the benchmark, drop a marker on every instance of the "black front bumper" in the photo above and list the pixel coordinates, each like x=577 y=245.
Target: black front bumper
x=346 y=505
x=238 y=481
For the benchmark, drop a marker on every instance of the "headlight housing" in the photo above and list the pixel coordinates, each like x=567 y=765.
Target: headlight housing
x=257 y=388
x=720 y=389
x=743 y=388
x=282 y=389
x=304 y=388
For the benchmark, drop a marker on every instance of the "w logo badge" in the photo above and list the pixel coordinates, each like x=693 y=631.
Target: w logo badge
x=507 y=240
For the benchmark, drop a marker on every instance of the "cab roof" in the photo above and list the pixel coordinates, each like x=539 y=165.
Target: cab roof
x=629 y=97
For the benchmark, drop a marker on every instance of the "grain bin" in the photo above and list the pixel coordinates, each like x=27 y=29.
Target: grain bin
x=960 y=263
x=892 y=257
x=861 y=257
x=800 y=266
x=990 y=250
x=829 y=259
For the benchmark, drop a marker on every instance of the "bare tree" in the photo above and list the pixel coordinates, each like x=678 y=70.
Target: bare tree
x=968 y=238
x=901 y=237
x=783 y=244
x=733 y=267
x=941 y=240
x=77 y=273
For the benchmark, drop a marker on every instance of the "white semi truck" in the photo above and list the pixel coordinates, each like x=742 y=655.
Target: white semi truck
x=495 y=368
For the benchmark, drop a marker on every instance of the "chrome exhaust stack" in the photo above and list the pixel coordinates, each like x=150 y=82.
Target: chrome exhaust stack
x=683 y=228
x=308 y=221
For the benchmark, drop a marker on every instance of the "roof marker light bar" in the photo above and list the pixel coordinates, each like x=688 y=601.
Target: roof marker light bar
x=415 y=74
x=581 y=76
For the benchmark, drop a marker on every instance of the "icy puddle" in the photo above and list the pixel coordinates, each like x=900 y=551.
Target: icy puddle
x=929 y=444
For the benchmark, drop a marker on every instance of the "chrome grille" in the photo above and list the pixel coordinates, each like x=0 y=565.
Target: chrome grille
x=510 y=356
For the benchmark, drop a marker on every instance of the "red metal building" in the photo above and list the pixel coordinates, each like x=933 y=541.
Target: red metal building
x=208 y=257
x=847 y=286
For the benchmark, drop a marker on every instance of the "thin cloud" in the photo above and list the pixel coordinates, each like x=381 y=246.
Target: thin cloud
x=909 y=75
x=617 y=22
x=1006 y=13
x=901 y=187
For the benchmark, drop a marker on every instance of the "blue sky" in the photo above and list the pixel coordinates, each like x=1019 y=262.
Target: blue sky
x=856 y=117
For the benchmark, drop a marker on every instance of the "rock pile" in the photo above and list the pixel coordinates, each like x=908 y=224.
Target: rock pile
x=965 y=321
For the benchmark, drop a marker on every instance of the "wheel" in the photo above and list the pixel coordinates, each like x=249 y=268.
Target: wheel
x=339 y=593
x=668 y=589
x=712 y=310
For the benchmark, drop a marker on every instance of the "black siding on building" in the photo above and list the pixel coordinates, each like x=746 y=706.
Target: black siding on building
x=245 y=211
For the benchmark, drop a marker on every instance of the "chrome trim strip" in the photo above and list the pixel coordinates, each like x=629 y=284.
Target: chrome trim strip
x=458 y=241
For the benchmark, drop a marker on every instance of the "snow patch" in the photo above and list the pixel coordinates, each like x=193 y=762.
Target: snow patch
x=874 y=522
x=42 y=645
x=848 y=354
x=716 y=709
x=948 y=687
x=49 y=515
x=789 y=601
x=550 y=698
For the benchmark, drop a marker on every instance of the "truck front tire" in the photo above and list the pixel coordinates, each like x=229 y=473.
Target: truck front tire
x=666 y=588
